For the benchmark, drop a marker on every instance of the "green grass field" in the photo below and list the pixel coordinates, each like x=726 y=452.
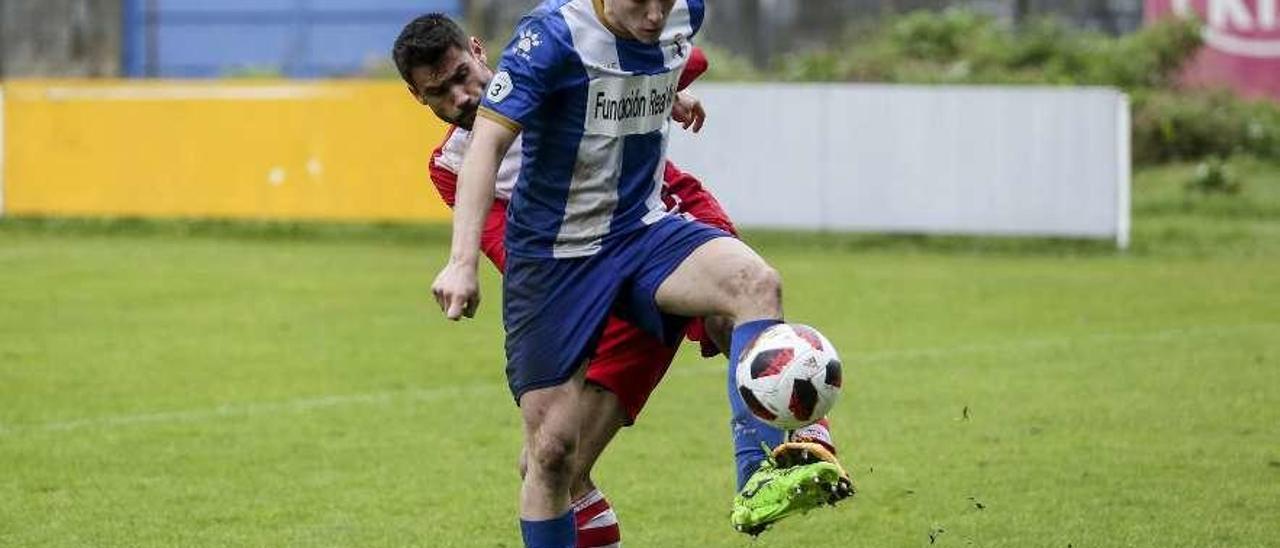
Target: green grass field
x=265 y=387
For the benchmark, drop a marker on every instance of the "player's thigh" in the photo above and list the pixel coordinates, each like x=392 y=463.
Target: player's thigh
x=713 y=280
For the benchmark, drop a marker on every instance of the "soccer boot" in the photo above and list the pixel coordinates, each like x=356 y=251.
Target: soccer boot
x=800 y=452
x=773 y=493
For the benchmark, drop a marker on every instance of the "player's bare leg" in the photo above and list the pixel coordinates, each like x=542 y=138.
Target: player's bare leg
x=602 y=416
x=552 y=421
x=723 y=277
x=719 y=329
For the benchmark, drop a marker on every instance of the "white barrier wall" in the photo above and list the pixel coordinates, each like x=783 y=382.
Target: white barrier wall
x=946 y=160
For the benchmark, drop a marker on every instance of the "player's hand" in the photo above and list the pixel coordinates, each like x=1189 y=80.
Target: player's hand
x=688 y=111
x=456 y=290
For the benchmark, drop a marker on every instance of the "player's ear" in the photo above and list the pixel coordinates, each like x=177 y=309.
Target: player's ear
x=413 y=93
x=477 y=49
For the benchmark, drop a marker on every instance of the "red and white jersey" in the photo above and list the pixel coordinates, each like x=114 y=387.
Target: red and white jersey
x=446 y=162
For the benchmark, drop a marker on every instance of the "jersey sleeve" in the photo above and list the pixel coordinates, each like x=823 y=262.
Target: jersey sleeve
x=694 y=68
x=491 y=239
x=526 y=74
x=443 y=178
x=495 y=222
x=697 y=14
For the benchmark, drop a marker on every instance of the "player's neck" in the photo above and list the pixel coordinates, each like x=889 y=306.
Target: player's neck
x=603 y=15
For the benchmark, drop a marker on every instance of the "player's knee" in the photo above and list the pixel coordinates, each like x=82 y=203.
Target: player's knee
x=553 y=454
x=523 y=465
x=758 y=286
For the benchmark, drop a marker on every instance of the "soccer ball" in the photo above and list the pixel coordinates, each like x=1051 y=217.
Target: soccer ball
x=789 y=376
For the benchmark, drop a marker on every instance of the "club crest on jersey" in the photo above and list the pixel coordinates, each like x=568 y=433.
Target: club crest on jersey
x=679 y=46
x=500 y=87
x=528 y=40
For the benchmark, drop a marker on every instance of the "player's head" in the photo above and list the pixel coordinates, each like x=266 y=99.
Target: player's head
x=643 y=20
x=444 y=68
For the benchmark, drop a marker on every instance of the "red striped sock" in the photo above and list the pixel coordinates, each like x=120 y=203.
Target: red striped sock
x=818 y=432
x=597 y=524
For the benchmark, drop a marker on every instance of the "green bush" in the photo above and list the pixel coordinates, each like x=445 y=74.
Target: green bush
x=1184 y=126
x=1214 y=176
x=962 y=47
x=943 y=37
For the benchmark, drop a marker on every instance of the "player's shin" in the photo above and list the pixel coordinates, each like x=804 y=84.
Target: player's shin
x=748 y=431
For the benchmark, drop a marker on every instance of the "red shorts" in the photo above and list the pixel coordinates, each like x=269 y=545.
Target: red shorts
x=629 y=362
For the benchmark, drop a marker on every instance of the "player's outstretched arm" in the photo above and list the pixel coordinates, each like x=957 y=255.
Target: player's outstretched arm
x=456 y=289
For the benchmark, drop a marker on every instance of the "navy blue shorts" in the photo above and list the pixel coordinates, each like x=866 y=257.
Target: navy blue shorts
x=555 y=309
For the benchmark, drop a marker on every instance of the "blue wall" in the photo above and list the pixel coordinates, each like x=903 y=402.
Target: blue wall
x=297 y=38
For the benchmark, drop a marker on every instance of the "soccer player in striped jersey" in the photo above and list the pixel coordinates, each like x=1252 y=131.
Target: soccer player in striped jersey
x=442 y=83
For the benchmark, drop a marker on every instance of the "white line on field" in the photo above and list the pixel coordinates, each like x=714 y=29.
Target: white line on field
x=429 y=394
x=260 y=408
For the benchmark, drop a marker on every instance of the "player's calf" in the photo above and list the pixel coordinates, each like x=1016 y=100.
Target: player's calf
x=719 y=329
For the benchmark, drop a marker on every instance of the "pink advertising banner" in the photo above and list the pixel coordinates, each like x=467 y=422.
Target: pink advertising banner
x=1241 y=43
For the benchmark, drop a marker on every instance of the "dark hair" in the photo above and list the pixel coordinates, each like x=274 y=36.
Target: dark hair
x=424 y=41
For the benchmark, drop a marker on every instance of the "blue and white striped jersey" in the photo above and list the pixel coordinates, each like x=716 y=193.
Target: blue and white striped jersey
x=594 y=110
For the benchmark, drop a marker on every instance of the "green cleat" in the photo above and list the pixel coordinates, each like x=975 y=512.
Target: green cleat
x=773 y=493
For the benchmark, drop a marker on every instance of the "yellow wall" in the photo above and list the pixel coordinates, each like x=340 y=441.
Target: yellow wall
x=269 y=150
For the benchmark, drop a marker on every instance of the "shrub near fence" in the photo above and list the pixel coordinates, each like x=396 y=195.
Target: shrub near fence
x=963 y=47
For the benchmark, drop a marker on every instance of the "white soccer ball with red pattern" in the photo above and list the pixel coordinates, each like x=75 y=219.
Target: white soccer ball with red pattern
x=790 y=376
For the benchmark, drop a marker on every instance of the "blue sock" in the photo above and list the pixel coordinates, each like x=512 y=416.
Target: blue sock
x=748 y=431
x=559 y=532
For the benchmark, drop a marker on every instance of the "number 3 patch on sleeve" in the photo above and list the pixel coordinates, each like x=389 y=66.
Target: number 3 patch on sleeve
x=500 y=87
